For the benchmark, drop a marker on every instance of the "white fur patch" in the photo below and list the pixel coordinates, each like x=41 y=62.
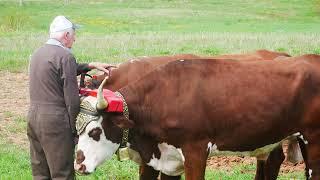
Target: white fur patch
x=212 y=148
x=209 y=146
x=95 y=152
x=304 y=140
x=310 y=173
x=181 y=60
x=171 y=160
x=298 y=134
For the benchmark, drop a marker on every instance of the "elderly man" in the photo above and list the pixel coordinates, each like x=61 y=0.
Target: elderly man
x=54 y=102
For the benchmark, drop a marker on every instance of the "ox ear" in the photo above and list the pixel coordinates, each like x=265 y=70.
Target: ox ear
x=122 y=122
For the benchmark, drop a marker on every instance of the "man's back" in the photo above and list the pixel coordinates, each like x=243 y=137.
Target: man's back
x=47 y=75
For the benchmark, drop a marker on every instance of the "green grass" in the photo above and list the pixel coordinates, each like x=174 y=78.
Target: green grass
x=120 y=47
x=114 y=31
x=15 y=163
x=138 y=16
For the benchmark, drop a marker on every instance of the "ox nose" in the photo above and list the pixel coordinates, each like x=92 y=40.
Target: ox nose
x=81 y=169
x=80 y=157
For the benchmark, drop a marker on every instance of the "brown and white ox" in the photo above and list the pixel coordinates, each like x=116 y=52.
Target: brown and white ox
x=167 y=147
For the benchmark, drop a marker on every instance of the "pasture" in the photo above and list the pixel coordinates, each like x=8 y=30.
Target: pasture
x=114 y=31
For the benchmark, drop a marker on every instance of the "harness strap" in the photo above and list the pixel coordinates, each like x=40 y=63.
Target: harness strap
x=85 y=111
x=125 y=132
x=125 y=136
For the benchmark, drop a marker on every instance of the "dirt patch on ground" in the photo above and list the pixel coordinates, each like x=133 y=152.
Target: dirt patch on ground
x=14 y=104
x=15 y=100
x=227 y=163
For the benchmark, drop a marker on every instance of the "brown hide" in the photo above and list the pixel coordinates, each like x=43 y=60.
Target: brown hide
x=133 y=70
x=238 y=106
x=136 y=68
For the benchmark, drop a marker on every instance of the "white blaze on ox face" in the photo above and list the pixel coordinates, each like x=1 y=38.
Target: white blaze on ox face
x=93 y=147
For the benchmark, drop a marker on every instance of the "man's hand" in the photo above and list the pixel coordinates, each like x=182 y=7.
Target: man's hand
x=101 y=66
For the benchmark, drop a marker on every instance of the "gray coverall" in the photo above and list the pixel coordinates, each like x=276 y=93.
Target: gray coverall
x=54 y=105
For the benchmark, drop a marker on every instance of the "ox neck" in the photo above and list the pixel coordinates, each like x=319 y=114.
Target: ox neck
x=134 y=101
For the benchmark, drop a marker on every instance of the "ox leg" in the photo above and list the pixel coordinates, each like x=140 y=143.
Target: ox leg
x=314 y=162
x=313 y=154
x=269 y=169
x=148 y=173
x=166 y=177
x=195 y=160
x=273 y=163
x=303 y=148
x=260 y=170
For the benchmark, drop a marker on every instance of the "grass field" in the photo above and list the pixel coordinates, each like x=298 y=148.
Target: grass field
x=116 y=30
x=14 y=164
x=113 y=31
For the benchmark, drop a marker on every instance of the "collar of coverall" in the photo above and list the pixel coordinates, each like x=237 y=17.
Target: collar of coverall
x=55 y=42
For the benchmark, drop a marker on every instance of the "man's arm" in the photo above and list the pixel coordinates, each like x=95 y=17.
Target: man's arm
x=84 y=67
x=71 y=89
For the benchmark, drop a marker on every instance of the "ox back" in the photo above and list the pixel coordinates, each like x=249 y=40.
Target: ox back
x=136 y=68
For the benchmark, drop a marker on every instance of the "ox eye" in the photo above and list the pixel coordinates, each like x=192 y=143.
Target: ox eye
x=95 y=133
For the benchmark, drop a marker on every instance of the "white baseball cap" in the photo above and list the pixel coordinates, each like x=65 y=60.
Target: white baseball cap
x=61 y=23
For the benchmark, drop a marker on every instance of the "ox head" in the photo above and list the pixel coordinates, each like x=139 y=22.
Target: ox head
x=99 y=132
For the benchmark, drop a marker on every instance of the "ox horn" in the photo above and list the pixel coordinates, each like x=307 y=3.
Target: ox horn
x=101 y=102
